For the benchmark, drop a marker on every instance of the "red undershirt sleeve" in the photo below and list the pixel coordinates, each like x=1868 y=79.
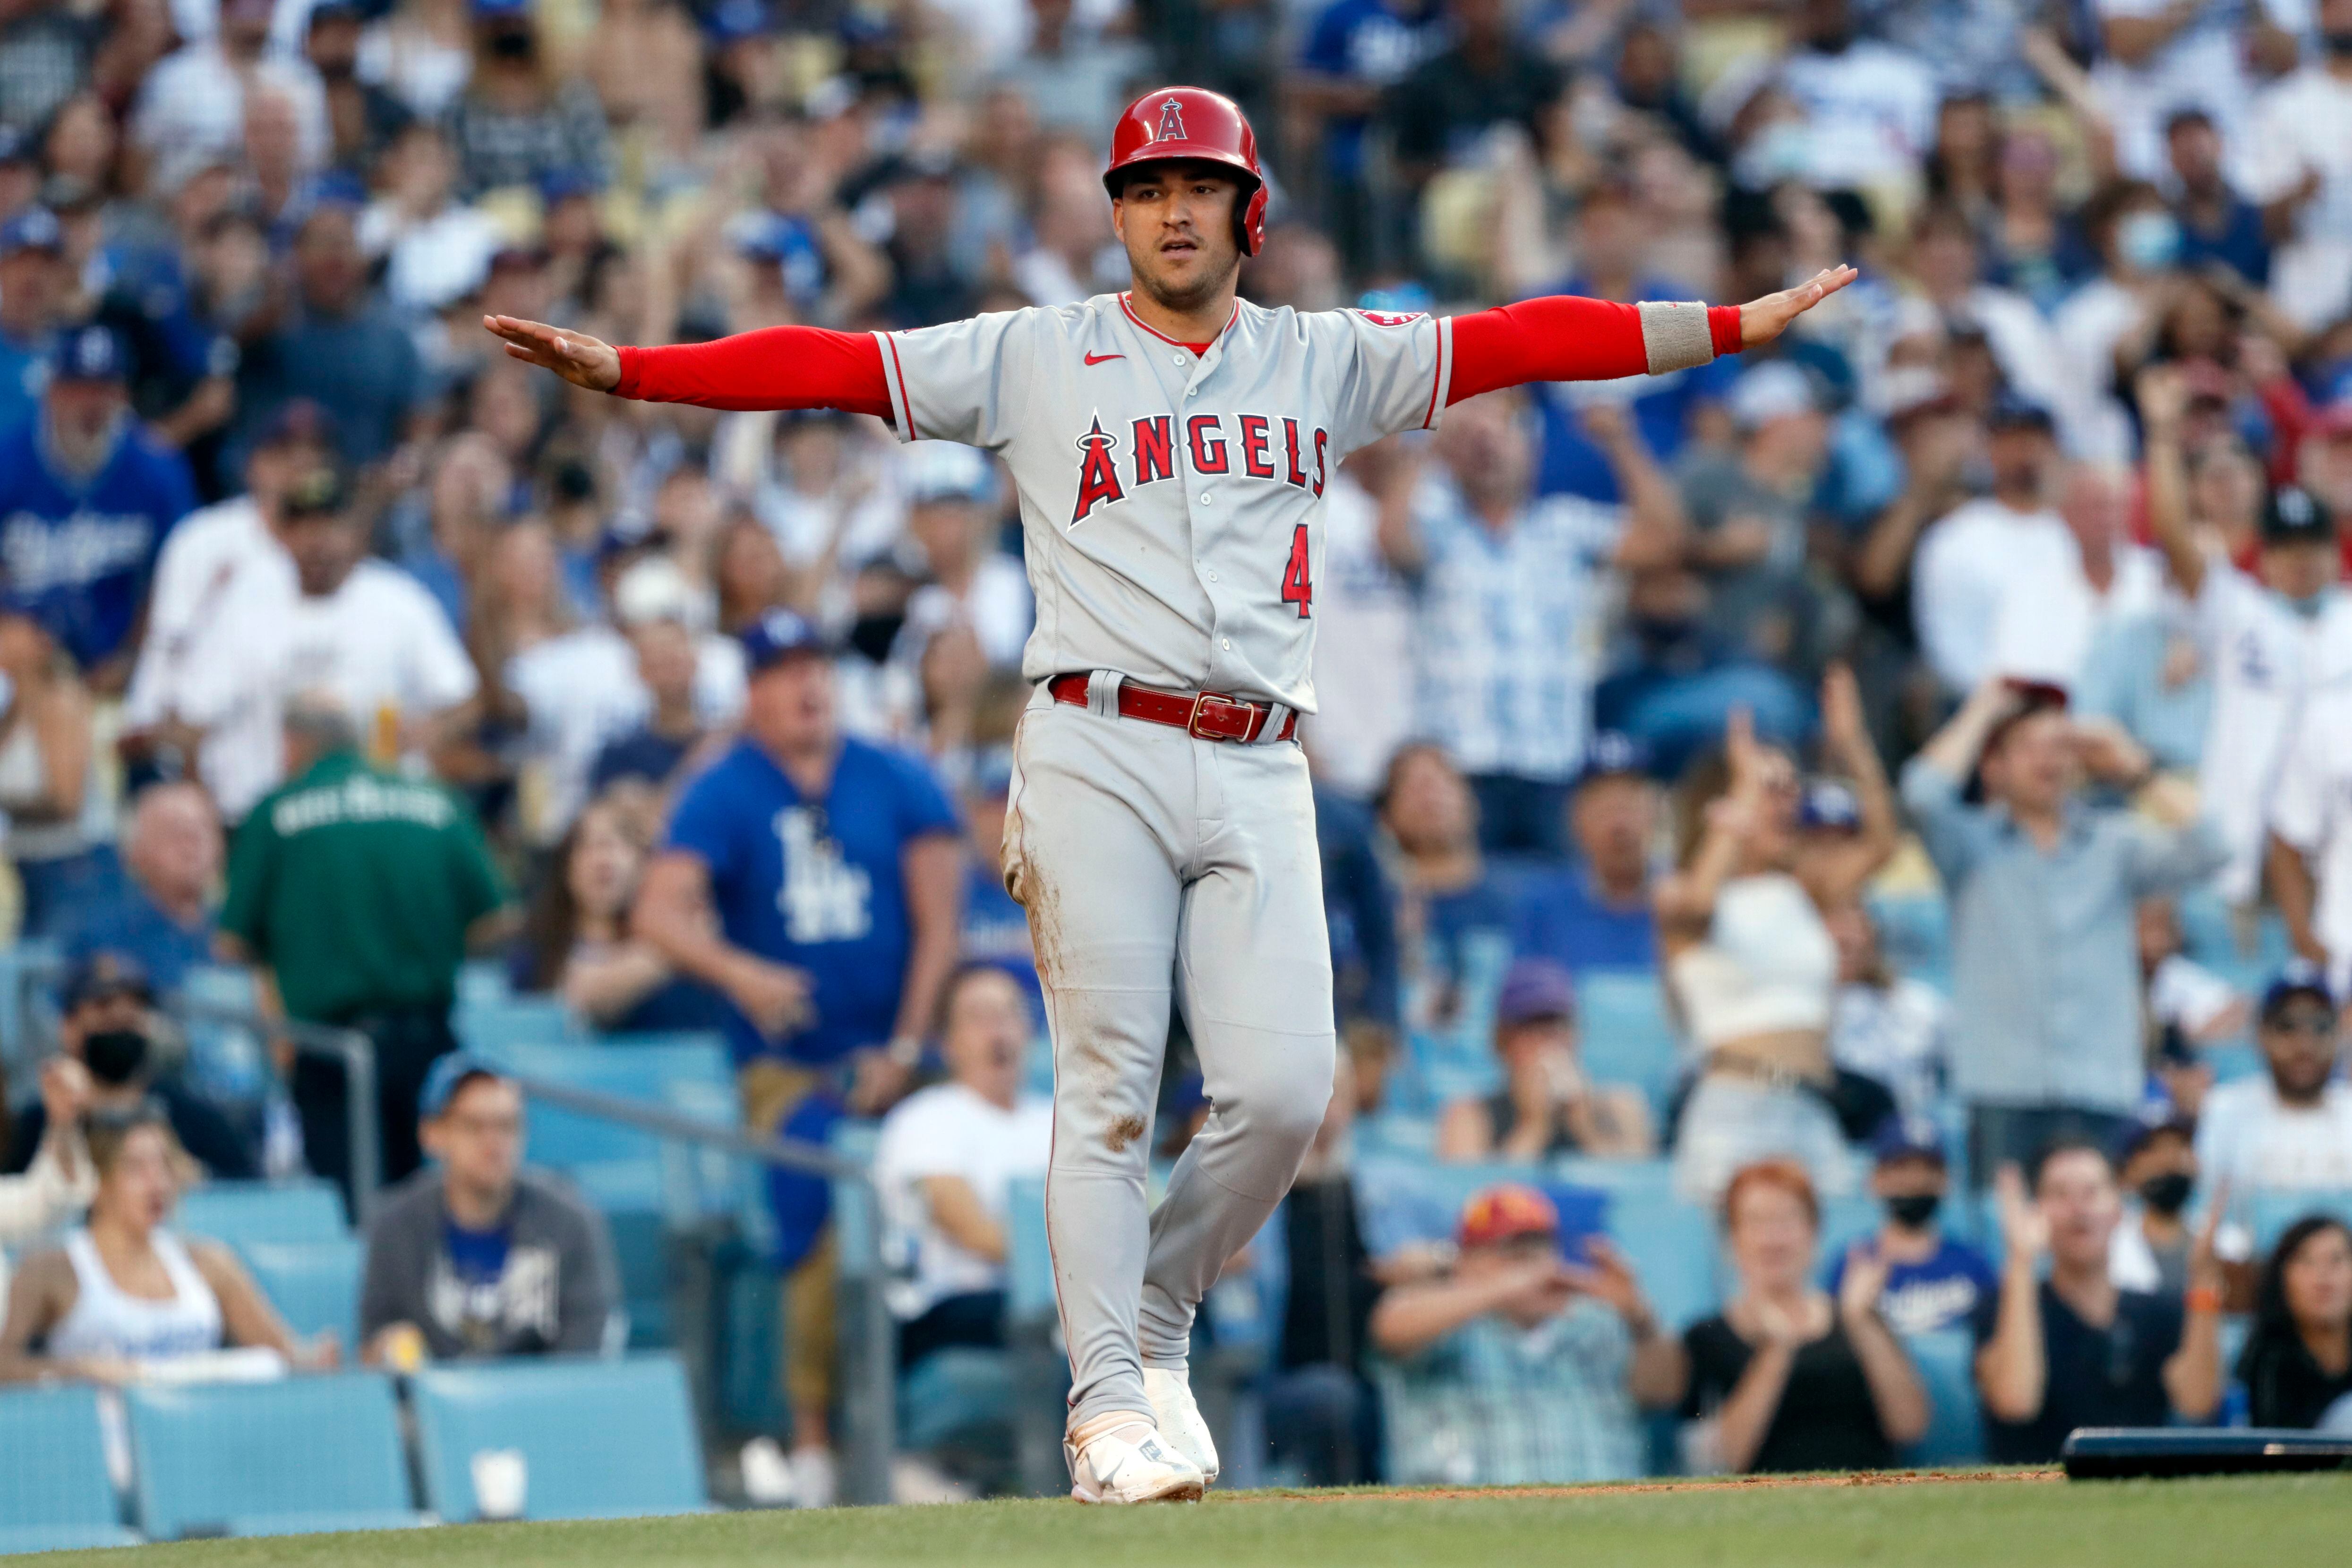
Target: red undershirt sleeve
x=1562 y=337
x=775 y=367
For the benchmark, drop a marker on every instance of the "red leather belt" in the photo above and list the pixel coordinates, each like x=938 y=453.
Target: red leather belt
x=1204 y=715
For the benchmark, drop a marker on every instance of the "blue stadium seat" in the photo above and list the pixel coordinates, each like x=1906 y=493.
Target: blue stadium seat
x=1626 y=1035
x=600 y=1439
x=2271 y=1210
x=492 y=1026
x=483 y=982
x=959 y=1392
x=1946 y=1363
x=314 y=1285
x=270 y=1458
x=1672 y=1247
x=1029 y=1259
x=284 y=1213
x=54 y=1491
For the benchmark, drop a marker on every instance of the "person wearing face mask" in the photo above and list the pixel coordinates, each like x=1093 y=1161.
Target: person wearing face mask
x=2299 y=166
x=2137 y=241
x=107 y=1024
x=2261 y=635
x=2157 y=1166
x=1933 y=1280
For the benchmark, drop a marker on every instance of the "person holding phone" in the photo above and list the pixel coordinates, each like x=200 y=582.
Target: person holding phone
x=1525 y=1362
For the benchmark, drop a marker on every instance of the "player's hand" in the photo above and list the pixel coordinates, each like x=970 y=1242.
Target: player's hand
x=576 y=357
x=773 y=997
x=1761 y=320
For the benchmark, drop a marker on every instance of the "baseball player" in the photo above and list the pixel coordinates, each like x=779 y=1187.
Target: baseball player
x=1170 y=445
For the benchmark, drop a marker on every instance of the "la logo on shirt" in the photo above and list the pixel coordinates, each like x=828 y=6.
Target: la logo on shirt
x=823 y=897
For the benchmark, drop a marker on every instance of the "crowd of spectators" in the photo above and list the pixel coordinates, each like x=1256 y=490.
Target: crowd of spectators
x=340 y=647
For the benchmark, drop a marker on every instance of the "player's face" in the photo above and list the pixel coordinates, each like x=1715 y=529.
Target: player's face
x=2299 y=570
x=1176 y=223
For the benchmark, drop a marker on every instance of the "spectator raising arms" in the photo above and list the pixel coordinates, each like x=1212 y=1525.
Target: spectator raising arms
x=477 y=1255
x=124 y=1292
x=1750 y=961
x=2297 y=1363
x=1787 y=1378
x=2073 y=1350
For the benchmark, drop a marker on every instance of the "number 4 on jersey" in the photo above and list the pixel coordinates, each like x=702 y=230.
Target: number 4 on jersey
x=1298 y=588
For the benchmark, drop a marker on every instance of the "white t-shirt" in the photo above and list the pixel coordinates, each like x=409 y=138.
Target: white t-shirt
x=2311 y=809
x=2263 y=656
x=202 y=562
x=1871 y=110
x=1998 y=590
x=2306 y=122
x=1363 y=655
x=582 y=691
x=950 y=1131
x=379 y=641
x=2246 y=1137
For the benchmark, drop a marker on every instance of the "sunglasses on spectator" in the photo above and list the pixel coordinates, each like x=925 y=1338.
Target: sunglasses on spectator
x=2304 y=1023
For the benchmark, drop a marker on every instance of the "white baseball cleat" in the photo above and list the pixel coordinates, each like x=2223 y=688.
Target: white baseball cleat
x=1121 y=1457
x=1170 y=1393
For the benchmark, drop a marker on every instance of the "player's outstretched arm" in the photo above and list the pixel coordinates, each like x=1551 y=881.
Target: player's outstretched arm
x=775 y=367
x=1761 y=320
x=1564 y=337
x=576 y=357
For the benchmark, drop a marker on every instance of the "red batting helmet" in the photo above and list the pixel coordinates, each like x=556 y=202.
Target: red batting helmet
x=1178 y=123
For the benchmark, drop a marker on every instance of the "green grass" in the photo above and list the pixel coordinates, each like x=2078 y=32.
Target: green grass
x=2279 y=1521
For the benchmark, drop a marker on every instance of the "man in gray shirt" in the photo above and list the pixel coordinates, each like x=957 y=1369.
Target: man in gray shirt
x=474 y=1255
x=2047 y=1036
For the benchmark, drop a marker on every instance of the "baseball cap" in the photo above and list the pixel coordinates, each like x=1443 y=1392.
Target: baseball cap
x=1774 y=390
x=299 y=420
x=2298 y=980
x=2138 y=1135
x=90 y=353
x=1505 y=1212
x=1830 y=804
x=1612 y=754
x=447 y=1075
x=776 y=637
x=2011 y=412
x=1906 y=1138
x=1535 y=988
x=319 y=491
x=104 y=975
x=32 y=228
x=943 y=470
x=2292 y=516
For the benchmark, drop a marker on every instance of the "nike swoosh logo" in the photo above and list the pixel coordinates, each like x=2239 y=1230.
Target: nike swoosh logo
x=1097 y=359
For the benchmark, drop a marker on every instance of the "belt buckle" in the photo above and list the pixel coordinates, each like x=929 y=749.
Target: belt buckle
x=1206 y=702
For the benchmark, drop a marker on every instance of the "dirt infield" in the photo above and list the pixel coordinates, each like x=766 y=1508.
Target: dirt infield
x=1710 y=1484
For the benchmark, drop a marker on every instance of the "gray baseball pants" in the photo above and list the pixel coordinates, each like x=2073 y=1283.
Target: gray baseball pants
x=1156 y=867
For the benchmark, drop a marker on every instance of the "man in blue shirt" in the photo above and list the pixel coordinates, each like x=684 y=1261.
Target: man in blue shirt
x=1595 y=914
x=31 y=279
x=1932 y=1281
x=834 y=869
x=1356 y=51
x=86 y=497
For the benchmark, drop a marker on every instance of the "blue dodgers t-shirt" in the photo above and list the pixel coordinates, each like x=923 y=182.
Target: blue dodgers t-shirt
x=1946 y=1291
x=86 y=551
x=1560 y=917
x=816 y=884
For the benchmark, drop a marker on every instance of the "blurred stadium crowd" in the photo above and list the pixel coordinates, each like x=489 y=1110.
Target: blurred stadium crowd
x=1839 y=863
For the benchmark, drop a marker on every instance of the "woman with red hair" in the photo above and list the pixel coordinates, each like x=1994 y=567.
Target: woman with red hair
x=1785 y=1378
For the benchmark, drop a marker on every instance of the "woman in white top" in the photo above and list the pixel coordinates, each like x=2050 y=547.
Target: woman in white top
x=1750 y=962
x=124 y=1292
x=60 y=824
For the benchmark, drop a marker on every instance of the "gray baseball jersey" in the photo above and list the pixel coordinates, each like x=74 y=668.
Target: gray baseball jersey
x=1171 y=499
